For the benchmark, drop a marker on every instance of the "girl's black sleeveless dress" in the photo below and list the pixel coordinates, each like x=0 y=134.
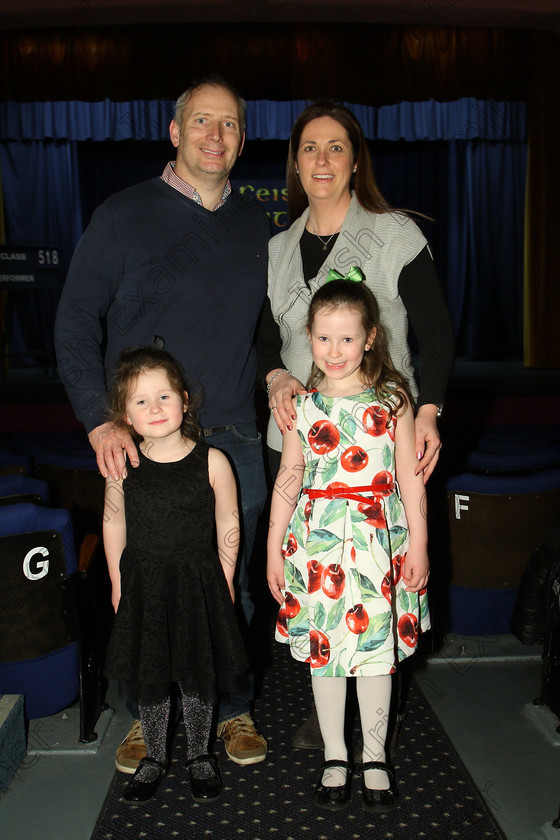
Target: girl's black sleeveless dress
x=175 y=621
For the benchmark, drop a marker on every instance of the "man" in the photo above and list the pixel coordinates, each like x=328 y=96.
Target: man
x=181 y=261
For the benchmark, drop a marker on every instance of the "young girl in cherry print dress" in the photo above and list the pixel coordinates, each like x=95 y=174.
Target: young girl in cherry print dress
x=172 y=593
x=347 y=546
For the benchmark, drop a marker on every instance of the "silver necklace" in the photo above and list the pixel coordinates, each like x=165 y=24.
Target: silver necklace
x=321 y=238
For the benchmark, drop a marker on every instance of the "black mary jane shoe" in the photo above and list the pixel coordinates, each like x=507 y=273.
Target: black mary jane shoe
x=137 y=791
x=202 y=790
x=380 y=801
x=333 y=798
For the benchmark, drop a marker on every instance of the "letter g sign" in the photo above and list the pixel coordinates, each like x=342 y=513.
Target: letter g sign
x=33 y=567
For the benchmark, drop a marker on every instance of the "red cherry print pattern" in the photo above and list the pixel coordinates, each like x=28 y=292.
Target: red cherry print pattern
x=354 y=459
x=333 y=580
x=408 y=629
x=292 y=605
x=384 y=478
x=281 y=623
x=397 y=562
x=323 y=436
x=307 y=514
x=375 y=420
x=314 y=575
x=386 y=586
x=357 y=619
x=374 y=513
x=291 y=547
x=320 y=649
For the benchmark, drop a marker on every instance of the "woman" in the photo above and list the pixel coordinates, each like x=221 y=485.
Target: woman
x=340 y=220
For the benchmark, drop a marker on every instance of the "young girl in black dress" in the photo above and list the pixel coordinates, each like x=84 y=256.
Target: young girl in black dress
x=172 y=591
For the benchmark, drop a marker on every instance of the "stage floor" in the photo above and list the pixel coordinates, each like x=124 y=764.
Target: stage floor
x=478 y=687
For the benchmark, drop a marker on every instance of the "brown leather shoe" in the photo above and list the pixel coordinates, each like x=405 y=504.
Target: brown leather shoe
x=244 y=745
x=132 y=750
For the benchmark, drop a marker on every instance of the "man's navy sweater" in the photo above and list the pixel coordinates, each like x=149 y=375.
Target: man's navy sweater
x=154 y=263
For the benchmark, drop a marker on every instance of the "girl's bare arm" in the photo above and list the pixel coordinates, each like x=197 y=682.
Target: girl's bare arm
x=284 y=497
x=114 y=534
x=226 y=513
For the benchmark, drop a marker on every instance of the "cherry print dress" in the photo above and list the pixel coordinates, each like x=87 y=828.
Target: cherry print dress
x=175 y=621
x=346 y=611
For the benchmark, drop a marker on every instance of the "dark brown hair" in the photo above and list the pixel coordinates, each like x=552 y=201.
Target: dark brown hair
x=363 y=181
x=136 y=360
x=376 y=370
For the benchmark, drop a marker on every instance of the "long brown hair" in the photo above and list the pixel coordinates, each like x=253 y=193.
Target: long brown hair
x=376 y=370
x=136 y=360
x=363 y=181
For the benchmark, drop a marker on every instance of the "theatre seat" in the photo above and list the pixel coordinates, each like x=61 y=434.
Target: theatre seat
x=494 y=524
x=513 y=450
x=43 y=640
x=75 y=483
x=14 y=463
x=23 y=488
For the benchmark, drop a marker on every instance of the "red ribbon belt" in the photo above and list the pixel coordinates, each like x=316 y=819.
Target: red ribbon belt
x=372 y=490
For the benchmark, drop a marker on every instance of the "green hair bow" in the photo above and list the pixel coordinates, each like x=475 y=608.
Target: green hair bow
x=356 y=275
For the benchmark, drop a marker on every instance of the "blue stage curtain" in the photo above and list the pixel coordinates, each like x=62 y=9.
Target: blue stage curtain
x=464 y=119
x=42 y=207
x=462 y=162
x=487 y=259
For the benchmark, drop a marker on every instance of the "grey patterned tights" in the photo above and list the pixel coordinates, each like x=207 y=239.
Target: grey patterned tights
x=197 y=716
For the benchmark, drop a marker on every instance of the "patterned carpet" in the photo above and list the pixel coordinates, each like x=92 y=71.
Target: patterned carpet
x=438 y=800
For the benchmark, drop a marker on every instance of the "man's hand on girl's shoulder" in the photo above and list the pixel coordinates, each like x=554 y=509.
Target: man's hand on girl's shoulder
x=111 y=444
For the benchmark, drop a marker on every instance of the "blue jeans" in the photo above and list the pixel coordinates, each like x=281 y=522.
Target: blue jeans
x=243 y=445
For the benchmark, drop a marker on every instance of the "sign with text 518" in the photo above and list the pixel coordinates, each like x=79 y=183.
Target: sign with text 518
x=30 y=266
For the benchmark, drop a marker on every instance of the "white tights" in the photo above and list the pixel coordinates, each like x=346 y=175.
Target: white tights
x=374 y=698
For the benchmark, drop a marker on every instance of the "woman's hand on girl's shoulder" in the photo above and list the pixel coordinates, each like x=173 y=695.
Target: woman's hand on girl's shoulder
x=281 y=400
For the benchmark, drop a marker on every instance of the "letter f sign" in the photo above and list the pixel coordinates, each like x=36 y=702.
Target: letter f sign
x=460 y=505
